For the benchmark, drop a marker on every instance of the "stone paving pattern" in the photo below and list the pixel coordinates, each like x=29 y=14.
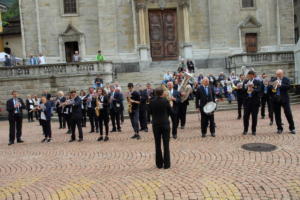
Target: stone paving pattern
x=209 y=168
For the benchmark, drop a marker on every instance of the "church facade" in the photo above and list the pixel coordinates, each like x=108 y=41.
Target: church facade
x=135 y=31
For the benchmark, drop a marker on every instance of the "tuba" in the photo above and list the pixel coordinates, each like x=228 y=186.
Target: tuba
x=185 y=87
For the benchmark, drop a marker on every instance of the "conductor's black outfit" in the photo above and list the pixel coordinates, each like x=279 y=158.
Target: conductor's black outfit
x=205 y=94
x=160 y=110
x=15 y=118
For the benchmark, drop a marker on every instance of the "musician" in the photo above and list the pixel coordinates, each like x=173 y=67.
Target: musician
x=76 y=116
x=280 y=98
x=102 y=103
x=143 y=109
x=174 y=97
x=160 y=110
x=205 y=93
x=14 y=107
x=36 y=102
x=29 y=107
x=134 y=100
x=91 y=109
x=67 y=113
x=60 y=110
x=251 y=91
x=240 y=94
x=82 y=96
x=115 y=108
x=46 y=112
x=266 y=98
x=150 y=94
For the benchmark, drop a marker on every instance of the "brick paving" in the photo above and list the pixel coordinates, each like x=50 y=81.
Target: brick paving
x=209 y=168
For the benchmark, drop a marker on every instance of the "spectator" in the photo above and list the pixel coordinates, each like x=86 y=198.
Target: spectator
x=76 y=57
x=190 y=66
x=167 y=77
x=100 y=57
x=13 y=60
x=7 y=61
x=181 y=67
x=98 y=83
x=42 y=59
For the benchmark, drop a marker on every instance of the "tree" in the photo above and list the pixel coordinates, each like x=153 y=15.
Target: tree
x=12 y=11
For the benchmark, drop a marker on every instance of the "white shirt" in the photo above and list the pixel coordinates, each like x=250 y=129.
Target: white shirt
x=42 y=60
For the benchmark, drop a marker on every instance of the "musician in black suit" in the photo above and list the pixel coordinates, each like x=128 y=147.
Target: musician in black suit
x=204 y=94
x=251 y=91
x=76 y=116
x=266 y=91
x=29 y=107
x=91 y=109
x=240 y=94
x=174 y=96
x=280 y=98
x=115 y=107
x=102 y=104
x=14 y=107
x=160 y=110
x=134 y=100
x=143 y=110
x=60 y=110
x=150 y=94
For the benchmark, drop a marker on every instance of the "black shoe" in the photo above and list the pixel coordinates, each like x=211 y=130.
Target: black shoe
x=10 y=143
x=213 y=135
x=166 y=167
x=254 y=133
x=114 y=130
x=271 y=123
x=72 y=140
x=106 y=139
x=182 y=127
x=175 y=137
x=83 y=126
x=49 y=140
x=293 y=131
x=97 y=131
x=279 y=131
x=245 y=132
x=20 y=141
x=119 y=130
x=44 y=140
x=92 y=131
x=134 y=136
x=69 y=132
x=138 y=137
x=203 y=135
x=239 y=117
x=80 y=140
x=100 y=138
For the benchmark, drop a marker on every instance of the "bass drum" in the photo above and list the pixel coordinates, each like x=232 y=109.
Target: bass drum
x=210 y=108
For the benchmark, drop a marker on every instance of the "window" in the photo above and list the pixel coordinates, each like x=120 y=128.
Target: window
x=296 y=35
x=251 y=42
x=247 y=3
x=70 y=7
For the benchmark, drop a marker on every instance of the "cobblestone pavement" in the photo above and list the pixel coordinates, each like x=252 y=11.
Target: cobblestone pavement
x=209 y=168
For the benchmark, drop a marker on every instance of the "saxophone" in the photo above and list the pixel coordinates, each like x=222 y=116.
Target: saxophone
x=97 y=108
x=167 y=94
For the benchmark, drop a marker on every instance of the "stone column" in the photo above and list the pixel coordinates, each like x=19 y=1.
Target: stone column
x=143 y=48
x=187 y=46
x=297 y=63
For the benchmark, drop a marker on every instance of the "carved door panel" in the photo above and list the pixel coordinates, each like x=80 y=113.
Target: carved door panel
x=163 y=34
x=251 y=42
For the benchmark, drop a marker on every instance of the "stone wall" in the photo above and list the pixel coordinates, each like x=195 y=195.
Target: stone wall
x=55 y=77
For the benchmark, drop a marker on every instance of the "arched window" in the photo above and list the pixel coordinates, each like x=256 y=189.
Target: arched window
x=247 y=3
x=70 y=6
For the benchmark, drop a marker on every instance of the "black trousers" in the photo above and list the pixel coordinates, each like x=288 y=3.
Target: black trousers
x=67 y=118
x=162 y=133
x=115 y=119
x=207 y=120
x=46 y=124
x=103 y=120
x=61 y=120
x=174 y=118
x=30 y=116
x=253 y=111
x=143 y=116
x=74 y=123
x=134 y=119
x=240 y=105
x=182 y=114
x=83 y=117
x=266 y=100
x=15 y=127
x=92 y=116
x=36 y=115
x=148 y=114
x=288 y=114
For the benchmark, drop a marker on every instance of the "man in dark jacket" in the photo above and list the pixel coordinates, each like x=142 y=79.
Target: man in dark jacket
x=14 y=107
x=76 y=116
x=280 y=98
x=161 y=110
x=174 y=96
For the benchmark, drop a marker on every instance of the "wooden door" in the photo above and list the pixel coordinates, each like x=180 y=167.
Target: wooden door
x=163 y=34
x=251 y=42
x=70 y=48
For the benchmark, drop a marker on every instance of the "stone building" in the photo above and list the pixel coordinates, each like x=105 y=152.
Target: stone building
x=142 y=31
